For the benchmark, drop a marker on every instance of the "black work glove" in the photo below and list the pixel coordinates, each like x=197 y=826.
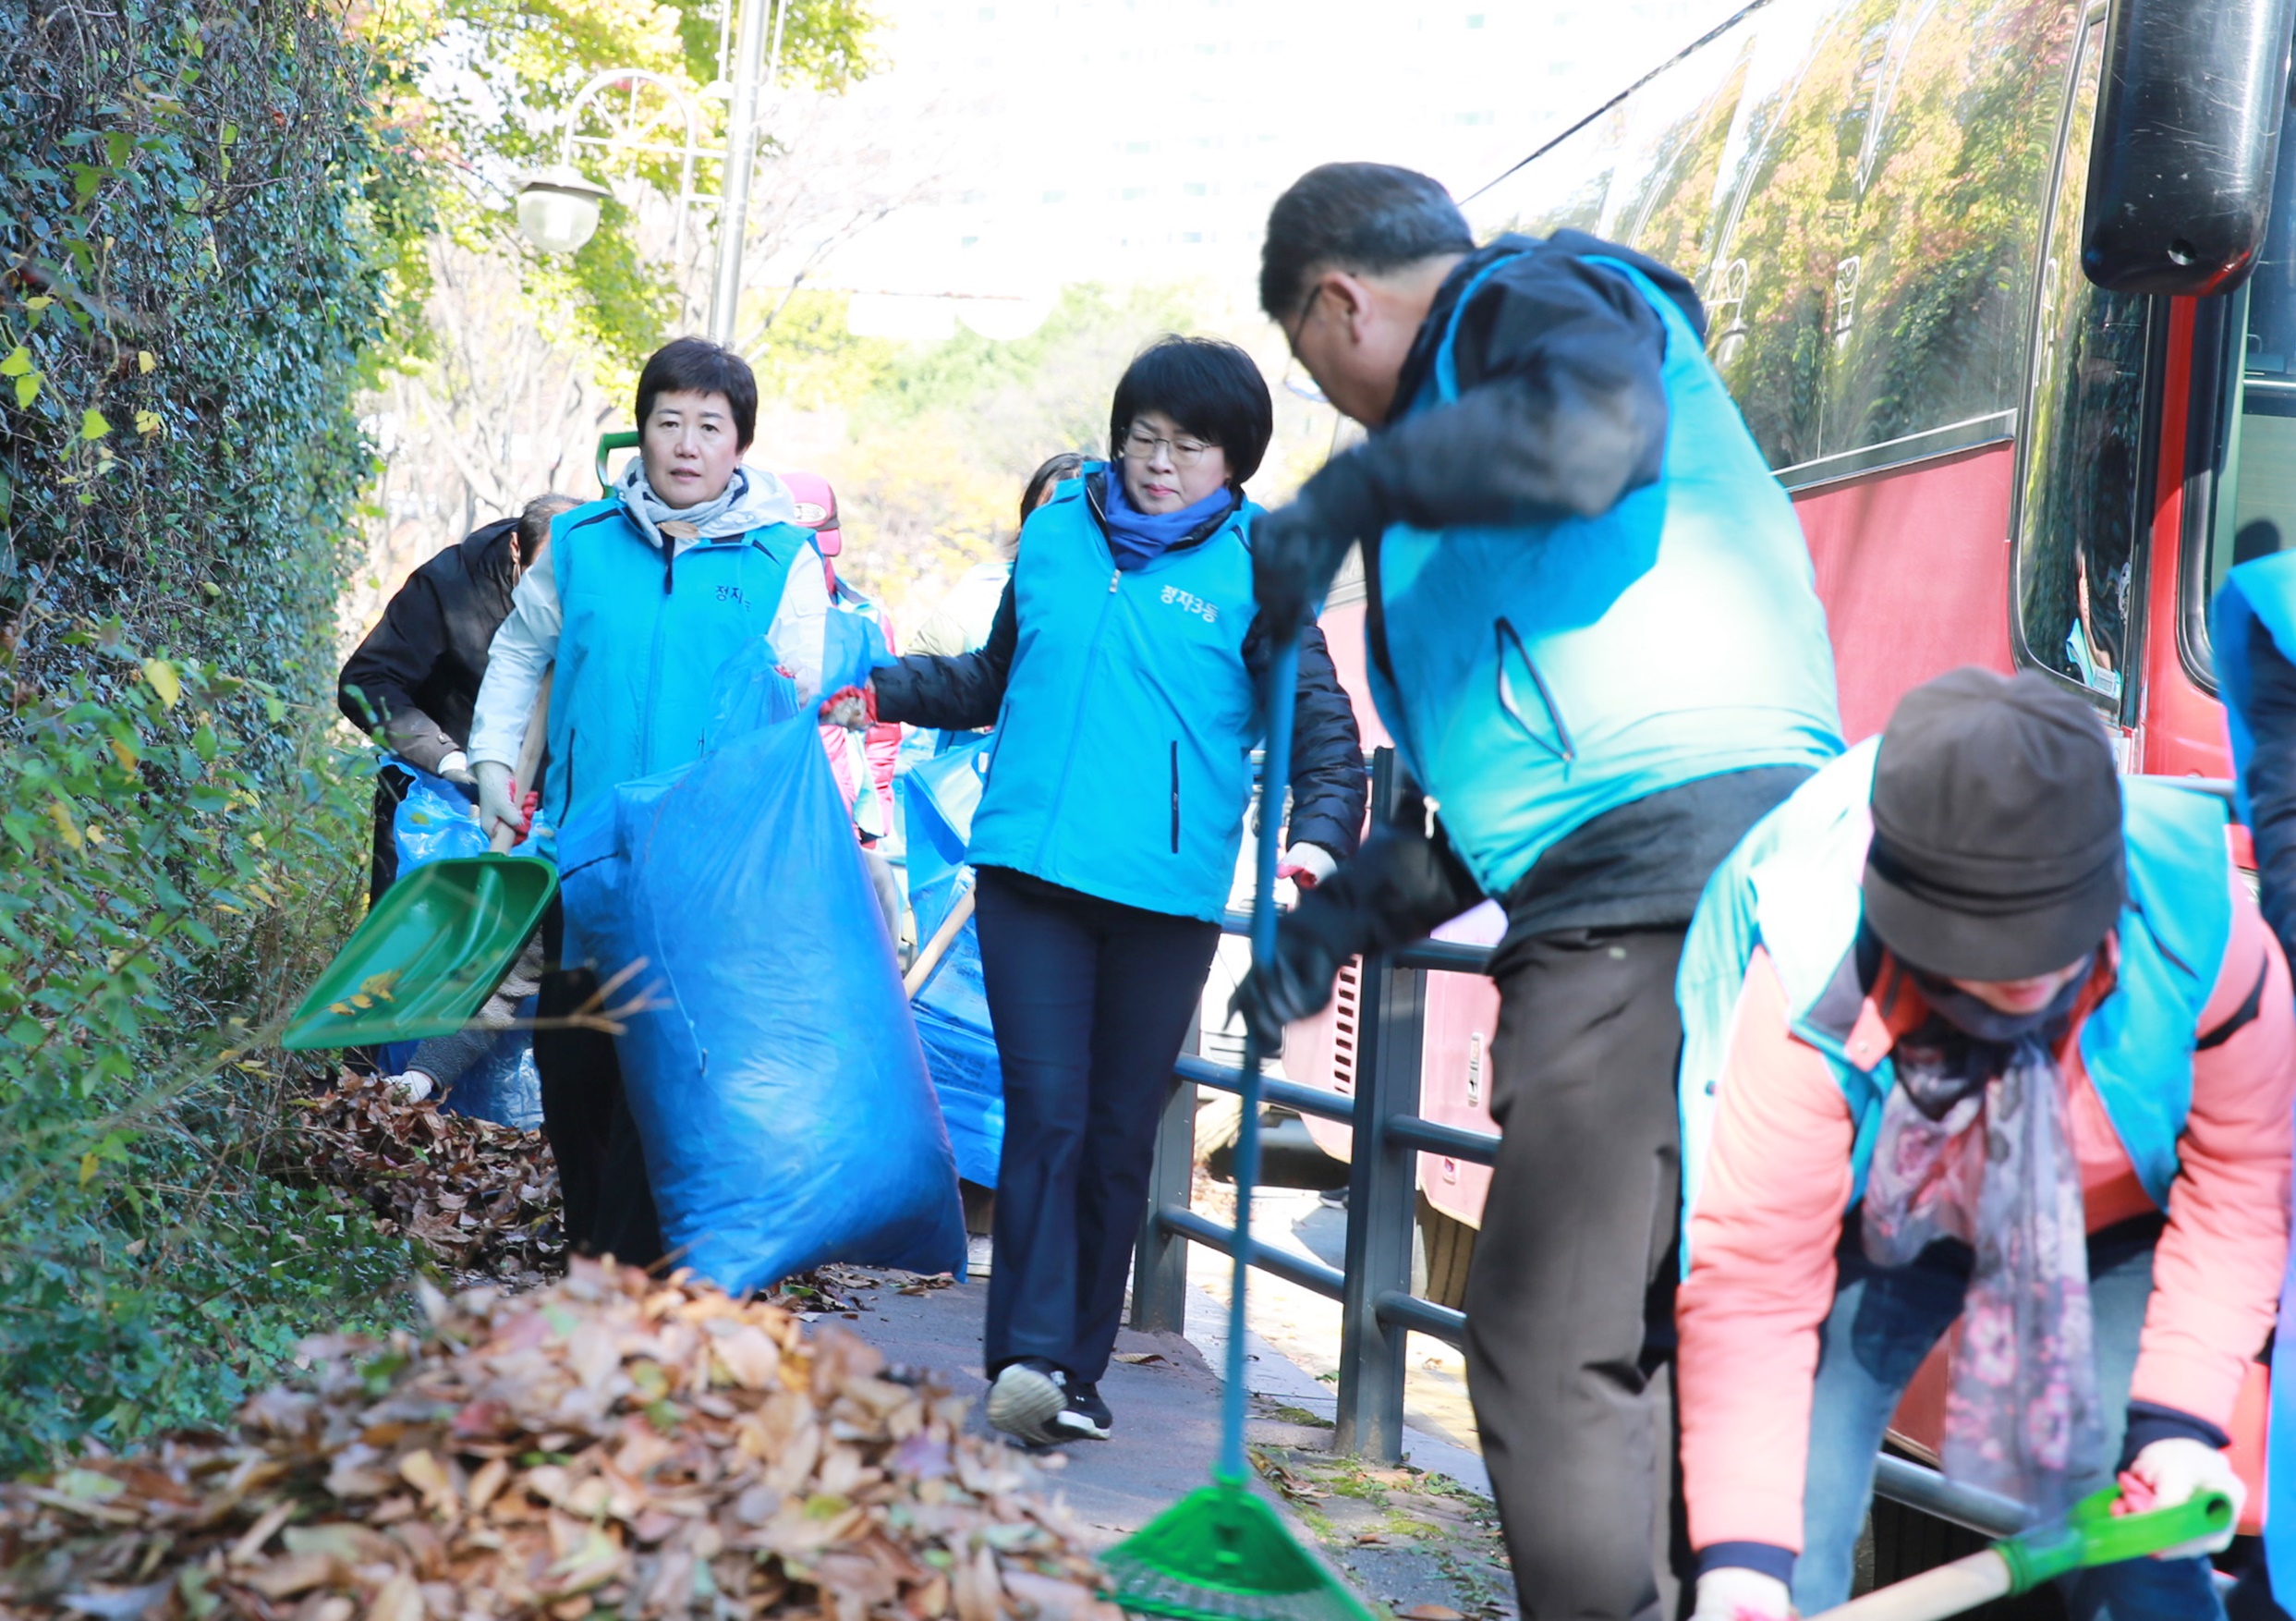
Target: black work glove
x=1295 y=987
x=1403 y=882
x=1296 y=550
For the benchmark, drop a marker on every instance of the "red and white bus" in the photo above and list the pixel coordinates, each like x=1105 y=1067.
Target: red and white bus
x=1996 y=460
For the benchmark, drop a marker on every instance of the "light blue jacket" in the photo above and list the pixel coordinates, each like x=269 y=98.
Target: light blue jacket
x=1543 y=674
x=640 y=645
x=1122 y=755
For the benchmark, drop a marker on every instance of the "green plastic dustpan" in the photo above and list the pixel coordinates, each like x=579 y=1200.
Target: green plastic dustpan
x=428 y=955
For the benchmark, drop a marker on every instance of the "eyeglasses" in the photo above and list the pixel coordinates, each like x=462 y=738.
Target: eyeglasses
x=1141 y=445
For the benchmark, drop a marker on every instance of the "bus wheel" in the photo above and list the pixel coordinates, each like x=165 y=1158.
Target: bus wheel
x=1440 y=1253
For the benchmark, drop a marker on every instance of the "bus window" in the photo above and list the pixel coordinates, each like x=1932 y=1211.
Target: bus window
x=2255 y=506
x=2078 y=517
x=1947 y=142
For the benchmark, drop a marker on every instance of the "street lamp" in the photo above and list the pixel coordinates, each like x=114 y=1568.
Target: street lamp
x=558 y=208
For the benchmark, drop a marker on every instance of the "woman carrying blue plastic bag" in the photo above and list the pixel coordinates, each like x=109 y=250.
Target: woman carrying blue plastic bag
x=1123 y=675
x=647 y=595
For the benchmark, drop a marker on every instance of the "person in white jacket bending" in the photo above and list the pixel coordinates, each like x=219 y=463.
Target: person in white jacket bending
x=638 y=601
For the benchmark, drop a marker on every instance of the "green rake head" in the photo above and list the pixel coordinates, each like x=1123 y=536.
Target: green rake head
x=1221 y=1553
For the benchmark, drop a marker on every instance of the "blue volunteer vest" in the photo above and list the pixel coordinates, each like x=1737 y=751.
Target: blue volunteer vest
x=1540 y=674
x=1792 y=886
x=638 y=648
x=1122 y=753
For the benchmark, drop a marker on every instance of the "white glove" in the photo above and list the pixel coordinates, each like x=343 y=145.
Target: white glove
x=497 y=797
x=412 y=1087
x=1306 y=865
x=2178 y=1467
x=454 y=766
x=1731 y=1594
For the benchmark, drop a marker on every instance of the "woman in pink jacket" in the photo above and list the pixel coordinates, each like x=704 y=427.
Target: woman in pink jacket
x=1975 y=1034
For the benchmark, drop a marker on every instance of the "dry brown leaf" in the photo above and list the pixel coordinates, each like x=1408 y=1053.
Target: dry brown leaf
x=611 y=1442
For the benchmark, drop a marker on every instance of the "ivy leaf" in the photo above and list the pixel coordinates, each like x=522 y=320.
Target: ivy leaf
x=146 y=362
x=163 y=679
x=18 y=363
x=148 y=422
x=27 y=390
x=92 y=425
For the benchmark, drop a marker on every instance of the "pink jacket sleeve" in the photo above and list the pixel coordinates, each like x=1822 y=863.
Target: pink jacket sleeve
x=2216 y=1273
x=1778 y=1178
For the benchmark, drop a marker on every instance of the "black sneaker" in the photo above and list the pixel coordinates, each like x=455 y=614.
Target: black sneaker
x=1086 y=1418
x=1027 y=1401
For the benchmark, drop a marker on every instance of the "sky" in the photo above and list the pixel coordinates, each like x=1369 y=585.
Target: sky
x=1143 y=141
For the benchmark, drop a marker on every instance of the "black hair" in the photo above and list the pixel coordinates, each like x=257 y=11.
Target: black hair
x=1055 y=468
x=1209 y=386
x=1372 y=217
x=534 y=523
x=695 y=365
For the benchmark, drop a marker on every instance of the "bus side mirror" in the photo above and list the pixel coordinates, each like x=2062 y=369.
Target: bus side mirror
x=2188 y=126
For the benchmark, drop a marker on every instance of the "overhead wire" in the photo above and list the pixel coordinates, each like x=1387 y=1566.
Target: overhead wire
x=1704 y=40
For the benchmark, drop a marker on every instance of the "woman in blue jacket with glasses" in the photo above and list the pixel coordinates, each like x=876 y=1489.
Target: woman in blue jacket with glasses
x=1122 y=674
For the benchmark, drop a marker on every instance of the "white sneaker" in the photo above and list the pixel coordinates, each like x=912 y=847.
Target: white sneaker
x=1026 y=1401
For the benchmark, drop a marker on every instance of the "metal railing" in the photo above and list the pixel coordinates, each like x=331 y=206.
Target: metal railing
x=1377 y=1307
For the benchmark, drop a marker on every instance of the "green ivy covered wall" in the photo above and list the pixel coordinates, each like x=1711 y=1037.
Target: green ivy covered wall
x=205 y=227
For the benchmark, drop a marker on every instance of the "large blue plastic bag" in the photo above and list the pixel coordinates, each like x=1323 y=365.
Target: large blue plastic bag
x=952 y=1012
x=938 y=796
x=780 y=1092
x=434 y=821
x=504 y=1086
x=952 y=1006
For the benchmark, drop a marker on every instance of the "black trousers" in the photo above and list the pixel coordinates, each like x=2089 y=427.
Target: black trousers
x=1569 y=1299
x=601 y=1164
x=1091 y=1002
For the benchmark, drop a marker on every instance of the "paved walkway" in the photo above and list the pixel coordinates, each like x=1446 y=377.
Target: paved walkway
x=1403 y=1538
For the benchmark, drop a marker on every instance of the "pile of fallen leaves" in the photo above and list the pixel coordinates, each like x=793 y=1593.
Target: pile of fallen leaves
x=613 y=1445
x=483 y=1198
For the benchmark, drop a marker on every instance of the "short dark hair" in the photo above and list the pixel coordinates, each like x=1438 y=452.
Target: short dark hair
x=1209 y=388
x=1055 y=470
x=695 y=365
x=1371 y=217
x=534 y=523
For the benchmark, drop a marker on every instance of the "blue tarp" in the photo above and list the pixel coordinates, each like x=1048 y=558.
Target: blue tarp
x=777 y=1081
x=938 y=796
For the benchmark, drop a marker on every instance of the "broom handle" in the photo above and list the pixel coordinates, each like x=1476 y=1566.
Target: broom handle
x=530 y=758
x=938 y=947
x=1934 y=1594
x=1275 y=776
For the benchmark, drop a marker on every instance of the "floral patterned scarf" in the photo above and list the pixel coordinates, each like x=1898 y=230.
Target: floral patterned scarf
x=1973 y=1146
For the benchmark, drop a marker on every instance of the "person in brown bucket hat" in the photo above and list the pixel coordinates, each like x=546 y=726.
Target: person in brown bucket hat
x=1977 y=1032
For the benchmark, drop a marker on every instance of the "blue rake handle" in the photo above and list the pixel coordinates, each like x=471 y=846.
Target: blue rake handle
x=1275 y=776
